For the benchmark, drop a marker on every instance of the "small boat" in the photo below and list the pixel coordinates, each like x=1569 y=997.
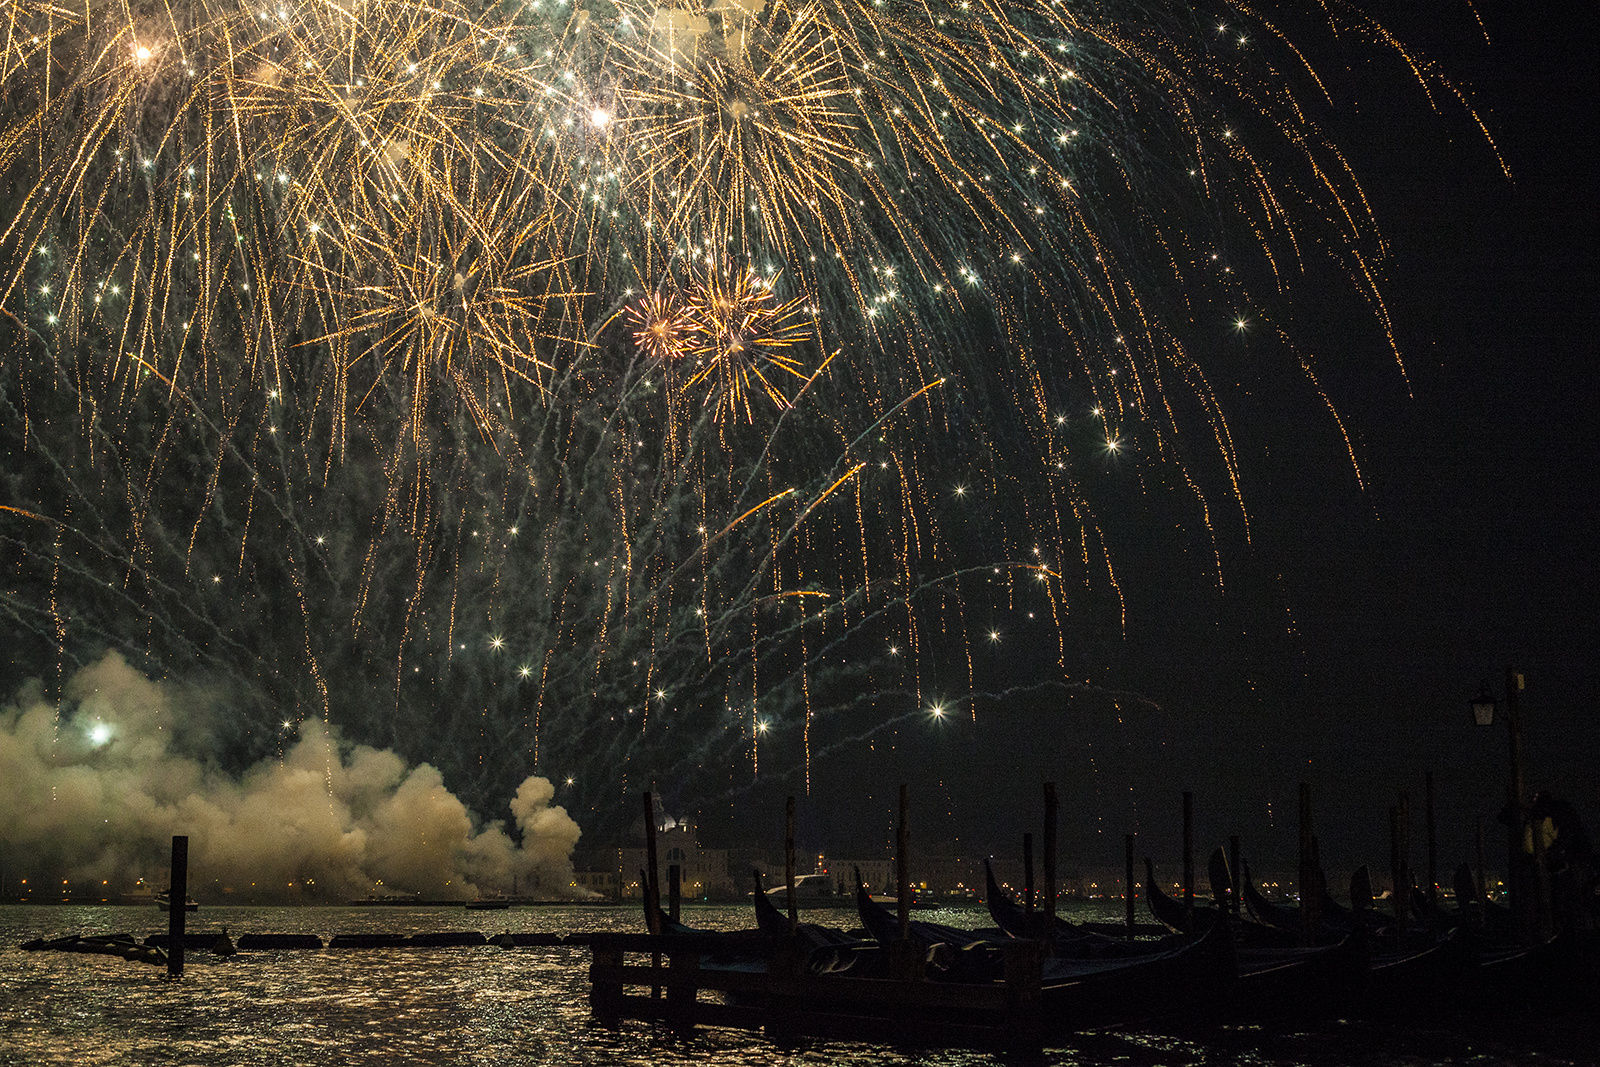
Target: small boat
x=1478 y=914
x=810 y=891
x=1172 y=913
x=827 y=951
x=1335 y=923
x=164 y=902
x=1071 y=940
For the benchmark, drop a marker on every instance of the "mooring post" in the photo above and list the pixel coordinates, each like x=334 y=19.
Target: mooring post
x=683 y=988
x=1024 y=967
x=1433 y=850
x=1233 y=873
x=605 y=982
x=1307 y=881
x=1483 y=884
x=1050 y=868
x=674 y=889
x=1127 y=880
x=1319 y=883
x=1027 y=872
x=1530 y=888
x=177 y=900
x=1188 y=860
x=1402 y=861
x=902 y=865
x=652 y=887
x=1396 y=897
x=788 y=864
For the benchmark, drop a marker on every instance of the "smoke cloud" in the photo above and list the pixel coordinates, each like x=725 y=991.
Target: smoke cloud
x=94 y=788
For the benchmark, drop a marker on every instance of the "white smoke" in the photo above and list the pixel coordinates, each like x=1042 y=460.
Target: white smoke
x=94 y=789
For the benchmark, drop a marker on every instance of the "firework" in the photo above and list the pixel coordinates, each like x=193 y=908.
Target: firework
x=480 y=349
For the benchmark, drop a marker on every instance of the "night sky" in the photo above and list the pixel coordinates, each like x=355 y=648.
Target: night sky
x=1329 y=626
x=1356 y=624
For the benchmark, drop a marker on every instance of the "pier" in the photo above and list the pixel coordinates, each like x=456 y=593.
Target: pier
x=782 y=997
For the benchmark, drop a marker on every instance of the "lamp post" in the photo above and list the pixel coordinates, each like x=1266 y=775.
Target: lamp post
x=1529 y=915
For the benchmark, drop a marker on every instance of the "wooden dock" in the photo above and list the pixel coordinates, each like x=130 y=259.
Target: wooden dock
x=753 y=982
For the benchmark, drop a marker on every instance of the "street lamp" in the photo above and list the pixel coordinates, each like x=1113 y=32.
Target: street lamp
x=1531 y=912
x=1483 y=706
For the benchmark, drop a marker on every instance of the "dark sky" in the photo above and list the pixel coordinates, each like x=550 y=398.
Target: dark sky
x=1356 y=624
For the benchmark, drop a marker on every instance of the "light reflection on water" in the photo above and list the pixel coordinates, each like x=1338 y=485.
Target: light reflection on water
x=490 y=1006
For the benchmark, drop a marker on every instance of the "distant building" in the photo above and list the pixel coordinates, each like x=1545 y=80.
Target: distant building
x=932 y=877
x=603 y=883
x=703 y=871
x=878 y=875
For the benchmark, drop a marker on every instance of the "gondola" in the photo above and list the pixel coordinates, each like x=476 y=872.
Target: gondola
x=739 y=956
x=827 y=951
x=1194 y=975
x=1335 y=922
x=1475 y=913
x=1081 y=991
x=1289 y=981
x=1171 y=913
x=1071 y=940
x=949 y=952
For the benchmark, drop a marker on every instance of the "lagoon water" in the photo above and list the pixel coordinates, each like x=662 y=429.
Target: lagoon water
x=491 y=1006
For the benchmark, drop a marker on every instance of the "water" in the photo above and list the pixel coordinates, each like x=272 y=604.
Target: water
x=490 y=1006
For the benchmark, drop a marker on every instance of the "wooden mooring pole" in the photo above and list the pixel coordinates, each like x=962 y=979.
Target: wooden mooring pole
x=652 y=887
x=788 y=863
x=902 y=865
x=1307 y=883
x=674 y=890
x=1483 y=884
x=1188 y=860
x=652 y=884
x=1433 y=847
x=1233 y=873
x=1050 y=868
x=1399 y=860
x=178 y=900
x=1027 y=870
x=1127 y=881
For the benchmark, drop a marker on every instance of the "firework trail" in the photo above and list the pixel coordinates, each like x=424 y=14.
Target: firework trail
x=554 y=383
